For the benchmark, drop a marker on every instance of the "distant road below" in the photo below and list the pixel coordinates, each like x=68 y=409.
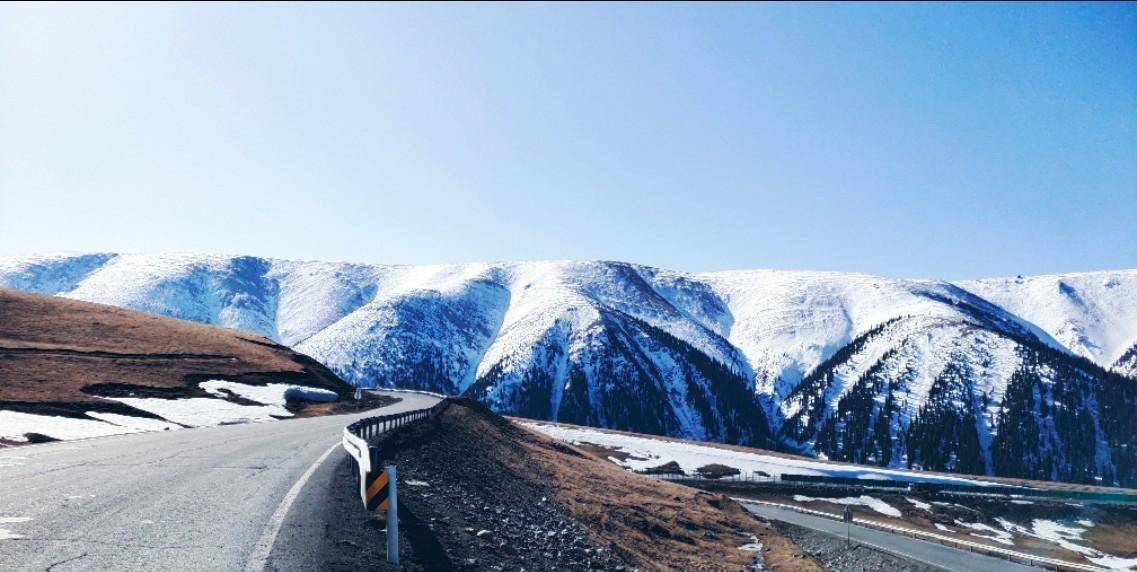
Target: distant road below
x=198 y=499
x=916 y=550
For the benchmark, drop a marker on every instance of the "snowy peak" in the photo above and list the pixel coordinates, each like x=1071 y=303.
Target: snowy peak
x=422 y=329
x=49 y=273
x=1092 y=314
x=787 y=323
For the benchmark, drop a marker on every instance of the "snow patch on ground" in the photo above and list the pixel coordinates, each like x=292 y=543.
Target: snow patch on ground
x=1064 y=535
x=756 y=547
x=919 y=504
x=175 y=413
x=646 y=452
x=11 y=461
x=269 y=394
x=1000 y=536
x=1114 y=562
x=863 y=500
x=204 y=411
x=14 y=425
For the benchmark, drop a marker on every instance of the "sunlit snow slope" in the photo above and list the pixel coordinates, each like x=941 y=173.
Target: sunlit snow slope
x=1093 y=314
x=913 y=373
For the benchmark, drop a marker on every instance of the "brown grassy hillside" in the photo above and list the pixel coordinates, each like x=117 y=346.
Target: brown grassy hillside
x=496 y=493
x=56 y=355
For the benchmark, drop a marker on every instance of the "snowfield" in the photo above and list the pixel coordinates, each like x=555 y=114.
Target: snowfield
x=863 y=500
x=14 y=424
x=645 y=452
x=1066 y=535
x=271 y=394
x=175 y=413
x=1092 y=314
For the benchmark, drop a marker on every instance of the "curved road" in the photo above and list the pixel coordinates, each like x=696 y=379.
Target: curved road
x=929 y=553
x=200 y=499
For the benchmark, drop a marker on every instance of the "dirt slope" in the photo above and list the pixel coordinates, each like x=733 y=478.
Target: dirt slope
x=482 y=493
x=57 y=354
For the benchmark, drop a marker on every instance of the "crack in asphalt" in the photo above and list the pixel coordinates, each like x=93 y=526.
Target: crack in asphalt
x=64 y=561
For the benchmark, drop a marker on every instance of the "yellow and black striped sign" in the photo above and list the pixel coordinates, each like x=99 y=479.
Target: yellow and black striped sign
x=377 y=490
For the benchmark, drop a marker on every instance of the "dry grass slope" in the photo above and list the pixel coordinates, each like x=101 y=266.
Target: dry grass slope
x=646 y=524
x=56 y=354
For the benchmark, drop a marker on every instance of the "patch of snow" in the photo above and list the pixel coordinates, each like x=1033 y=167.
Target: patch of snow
x=942 y=527
x=1062 y=535
x=863 y=500
x=1114 y=562
x=14 y=424
x=193 y=412
x=1065 y=535
x=1000 y=536
x=919 y=504
x=204 y=411
x=755 y=546
x=269 y=394
x=11 y=461
x=645 y=452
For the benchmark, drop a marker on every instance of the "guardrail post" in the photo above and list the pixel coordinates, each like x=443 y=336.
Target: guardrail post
x=393 y=518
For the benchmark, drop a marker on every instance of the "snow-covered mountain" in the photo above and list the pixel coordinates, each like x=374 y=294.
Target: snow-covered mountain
x=993 y=376
x=1092 y=314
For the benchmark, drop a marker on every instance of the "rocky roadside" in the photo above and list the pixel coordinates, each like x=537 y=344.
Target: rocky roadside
x=836 y=555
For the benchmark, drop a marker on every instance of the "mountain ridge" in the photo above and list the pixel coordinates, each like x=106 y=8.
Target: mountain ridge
x=634 y=347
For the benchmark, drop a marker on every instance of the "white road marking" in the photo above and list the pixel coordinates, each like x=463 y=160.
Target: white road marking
x=258 y=561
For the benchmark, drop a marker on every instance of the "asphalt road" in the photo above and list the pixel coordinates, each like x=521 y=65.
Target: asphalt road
x=911 y=548
x=217 y=498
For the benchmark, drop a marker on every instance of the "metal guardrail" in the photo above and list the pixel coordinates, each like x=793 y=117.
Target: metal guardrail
x=357 y=436
x=851 y=485
x=378 y=489
x=1011 y=555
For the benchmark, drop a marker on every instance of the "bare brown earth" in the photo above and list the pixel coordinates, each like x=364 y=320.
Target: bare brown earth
x=493 y=495
x=57 y=356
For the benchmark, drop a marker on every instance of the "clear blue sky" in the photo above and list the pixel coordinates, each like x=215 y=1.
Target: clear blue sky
x=950 y=141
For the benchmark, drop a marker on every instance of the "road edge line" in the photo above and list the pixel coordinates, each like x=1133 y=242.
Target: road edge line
x=258 y=560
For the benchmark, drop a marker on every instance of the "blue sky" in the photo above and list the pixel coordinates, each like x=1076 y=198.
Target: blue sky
x=952 y=140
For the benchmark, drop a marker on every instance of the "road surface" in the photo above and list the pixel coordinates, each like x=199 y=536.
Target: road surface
x=911 y=548
x=214 y=498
